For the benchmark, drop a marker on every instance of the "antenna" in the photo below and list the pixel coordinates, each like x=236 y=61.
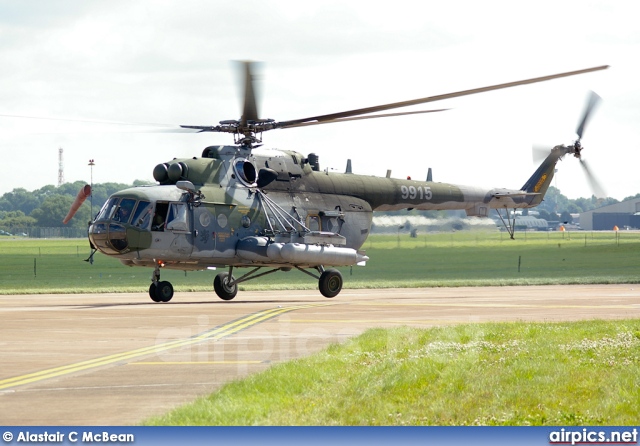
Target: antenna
x=60 y=167
x=91 y=164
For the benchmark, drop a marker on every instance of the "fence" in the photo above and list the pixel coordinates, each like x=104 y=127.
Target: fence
x=37 y=232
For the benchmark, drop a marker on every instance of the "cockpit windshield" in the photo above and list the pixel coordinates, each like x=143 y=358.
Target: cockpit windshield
x=107 y=209
x=110 y=234
x=123 y=214
x=127 y=210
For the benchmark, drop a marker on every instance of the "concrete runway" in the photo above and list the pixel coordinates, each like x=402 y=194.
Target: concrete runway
x=116 y=359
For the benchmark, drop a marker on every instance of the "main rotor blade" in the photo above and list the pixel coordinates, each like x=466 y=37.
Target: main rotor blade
x=595 y=185
x=378 y=108
x=592 y=102
x=250 y=107
x=384 y=115
x=88 y=121
x=117 y=126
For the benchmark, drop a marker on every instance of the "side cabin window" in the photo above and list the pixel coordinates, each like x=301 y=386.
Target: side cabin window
x=177 y=217
x=313 y=223
x=160 y=216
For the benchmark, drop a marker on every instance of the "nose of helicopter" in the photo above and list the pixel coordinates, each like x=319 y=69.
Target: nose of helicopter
x=118 y=221
x=109 y=238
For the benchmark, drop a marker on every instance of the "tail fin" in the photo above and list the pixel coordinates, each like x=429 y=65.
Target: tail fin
x=540 y=181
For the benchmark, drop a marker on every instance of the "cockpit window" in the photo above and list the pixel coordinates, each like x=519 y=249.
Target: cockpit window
x=123 y=214
x=107 y=209
x=142 y=215
x=177 y=217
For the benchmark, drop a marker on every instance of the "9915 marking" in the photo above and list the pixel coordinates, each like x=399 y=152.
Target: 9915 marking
x=412 y=192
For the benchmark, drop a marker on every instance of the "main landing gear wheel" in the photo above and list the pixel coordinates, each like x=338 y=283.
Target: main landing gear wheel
x=164 y=291
x=152 y=292
x=161 y=292
x=222 y=288
x=330 y=283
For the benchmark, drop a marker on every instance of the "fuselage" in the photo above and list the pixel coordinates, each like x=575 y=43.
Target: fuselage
x=265 y=194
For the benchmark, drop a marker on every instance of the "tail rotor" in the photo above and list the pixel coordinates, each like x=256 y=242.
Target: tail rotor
x=540 y=152
x=592 y=103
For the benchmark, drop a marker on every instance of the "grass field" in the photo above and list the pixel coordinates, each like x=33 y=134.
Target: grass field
x=438 y=259
x=584 y=373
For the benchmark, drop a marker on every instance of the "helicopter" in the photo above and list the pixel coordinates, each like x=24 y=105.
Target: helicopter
x=244 y=207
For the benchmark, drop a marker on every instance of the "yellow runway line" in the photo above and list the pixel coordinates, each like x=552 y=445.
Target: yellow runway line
x=211 y=335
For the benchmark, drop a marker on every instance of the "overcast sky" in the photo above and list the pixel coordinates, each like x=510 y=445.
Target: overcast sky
x=169 y=62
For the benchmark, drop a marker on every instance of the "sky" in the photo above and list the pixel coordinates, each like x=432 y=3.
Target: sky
x=171 y=62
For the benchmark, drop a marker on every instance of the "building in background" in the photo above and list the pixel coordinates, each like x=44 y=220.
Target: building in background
x=624 y=215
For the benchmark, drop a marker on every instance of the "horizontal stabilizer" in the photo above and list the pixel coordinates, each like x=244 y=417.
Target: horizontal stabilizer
x=520 y=193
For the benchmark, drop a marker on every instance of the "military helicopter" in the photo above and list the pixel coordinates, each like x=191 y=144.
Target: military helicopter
x=245 y=207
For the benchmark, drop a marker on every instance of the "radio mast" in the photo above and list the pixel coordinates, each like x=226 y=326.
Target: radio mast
x=60 y=167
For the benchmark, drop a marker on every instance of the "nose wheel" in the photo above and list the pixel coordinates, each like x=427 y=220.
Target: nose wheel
x=160 y=291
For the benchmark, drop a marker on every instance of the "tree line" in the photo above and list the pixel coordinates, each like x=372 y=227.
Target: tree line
x=46 y=207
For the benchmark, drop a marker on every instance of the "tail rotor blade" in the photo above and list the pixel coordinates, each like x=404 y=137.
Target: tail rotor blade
x=592 y=103
x=595 y=185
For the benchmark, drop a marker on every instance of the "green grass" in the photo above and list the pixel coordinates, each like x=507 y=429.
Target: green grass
x=585 y=373
x=439 y=259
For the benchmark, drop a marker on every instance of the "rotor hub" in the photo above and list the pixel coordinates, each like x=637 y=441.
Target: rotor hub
x=577 y=149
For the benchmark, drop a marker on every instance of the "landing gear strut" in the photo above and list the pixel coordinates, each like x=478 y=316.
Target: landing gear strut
x=160 y=291
x=510 y=224
x=226 y=286
x=329 y=281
